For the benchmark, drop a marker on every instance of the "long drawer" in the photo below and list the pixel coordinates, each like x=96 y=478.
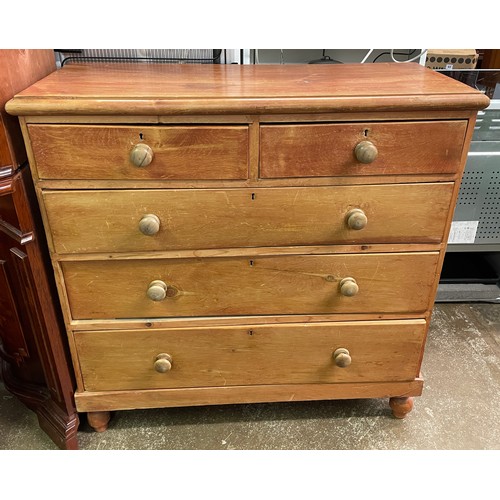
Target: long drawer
x=218 y=286
x=249 y=355
x=148 y=220
x=149 y=152
x=388 y=148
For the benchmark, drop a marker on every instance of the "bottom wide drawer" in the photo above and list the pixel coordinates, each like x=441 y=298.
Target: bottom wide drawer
x=367 y=351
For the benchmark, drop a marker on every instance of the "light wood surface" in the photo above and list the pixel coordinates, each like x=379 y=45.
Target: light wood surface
x=111 y=221
x=211 y=321
x=200 y=396
x=104 y=152
x=184 y=203
x=226 y=89
x=254 y=251
x=61 y=184
x=120 y=119
x=308 y=284
x=251 y=355
x=19 y=68
x=307 y=150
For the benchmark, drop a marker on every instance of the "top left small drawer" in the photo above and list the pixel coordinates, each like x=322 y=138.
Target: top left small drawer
x=140 y=153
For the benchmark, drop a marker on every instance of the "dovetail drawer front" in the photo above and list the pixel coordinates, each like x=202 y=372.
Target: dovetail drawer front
x=251 y=355
x=311 y=150
x=106 y=152
x=218 y=286
x=111 y=221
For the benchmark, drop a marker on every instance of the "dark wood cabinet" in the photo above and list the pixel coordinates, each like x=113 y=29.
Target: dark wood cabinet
x=33 y=347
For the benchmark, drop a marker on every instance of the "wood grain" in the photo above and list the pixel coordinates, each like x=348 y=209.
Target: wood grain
x=108 y=221
x=254 y=252
x=31 y=329
x=309 y=150
x=120 y=119
x=252 y=176
x=19 y=68
x=65 y=184
x=260 y=285
x=251 y=355
x=198 y=89
x=102 y=152
x=158 y=398
x=210 y=321
x=453 y=203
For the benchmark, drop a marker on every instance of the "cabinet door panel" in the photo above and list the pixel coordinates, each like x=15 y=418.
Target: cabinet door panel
x=14 y=343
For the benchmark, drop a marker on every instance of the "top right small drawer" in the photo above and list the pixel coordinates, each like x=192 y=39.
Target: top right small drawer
x=370 y=148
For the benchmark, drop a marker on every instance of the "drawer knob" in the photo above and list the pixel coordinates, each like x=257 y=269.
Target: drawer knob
x=342 y=357
x=356 y=219
x=366 y=152
x=141 y=155
x=349 y=287
x=163 y=363
x=157 y=290
x=149 y=224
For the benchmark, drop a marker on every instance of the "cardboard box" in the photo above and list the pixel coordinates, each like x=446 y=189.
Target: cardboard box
x=451 y=58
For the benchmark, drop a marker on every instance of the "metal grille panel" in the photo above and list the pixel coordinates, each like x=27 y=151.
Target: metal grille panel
x=489 y=217
x=479 y=196
x=173 y=56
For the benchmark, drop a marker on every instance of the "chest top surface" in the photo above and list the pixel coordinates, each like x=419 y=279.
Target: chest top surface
x=209 y=89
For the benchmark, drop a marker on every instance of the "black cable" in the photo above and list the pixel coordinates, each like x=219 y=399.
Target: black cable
x=217 y=53
x=395 y=53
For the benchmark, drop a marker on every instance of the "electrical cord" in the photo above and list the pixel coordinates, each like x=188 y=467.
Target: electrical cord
x=392 y=54
x=422 y=52
x=367 y=56
x=395 y=53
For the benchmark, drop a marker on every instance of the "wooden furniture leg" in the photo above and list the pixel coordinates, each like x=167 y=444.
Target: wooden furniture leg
x=98 y=420
x=401 y=406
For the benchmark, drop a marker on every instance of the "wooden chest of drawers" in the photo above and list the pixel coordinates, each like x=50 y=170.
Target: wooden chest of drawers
x=231 y=234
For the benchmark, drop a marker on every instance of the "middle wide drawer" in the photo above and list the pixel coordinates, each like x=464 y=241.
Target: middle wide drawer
x=152 y=220
x=263 y=285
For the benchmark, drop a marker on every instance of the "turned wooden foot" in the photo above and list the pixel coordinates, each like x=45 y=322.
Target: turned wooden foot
x=98 y=420
x=401 y=406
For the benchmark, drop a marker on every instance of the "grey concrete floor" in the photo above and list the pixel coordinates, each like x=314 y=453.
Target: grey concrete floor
x=459 y=408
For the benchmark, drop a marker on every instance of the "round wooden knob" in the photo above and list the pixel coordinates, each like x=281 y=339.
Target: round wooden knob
x=356 y=219
x=349 y=287
x=163 y=363
x=365 y=152
x=149 y=224
x=157 y=290
x=342 y=357
x=141 y=155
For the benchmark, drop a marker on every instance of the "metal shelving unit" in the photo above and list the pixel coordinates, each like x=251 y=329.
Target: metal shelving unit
x=471 y=270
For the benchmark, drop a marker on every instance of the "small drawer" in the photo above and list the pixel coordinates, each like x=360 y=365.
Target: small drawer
x=155 y=220
x=228 y=286
x=251 y=355
x=348 y=149
x=140 y=153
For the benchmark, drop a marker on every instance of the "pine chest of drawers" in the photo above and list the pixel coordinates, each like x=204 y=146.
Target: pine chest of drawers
x=236 y=234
